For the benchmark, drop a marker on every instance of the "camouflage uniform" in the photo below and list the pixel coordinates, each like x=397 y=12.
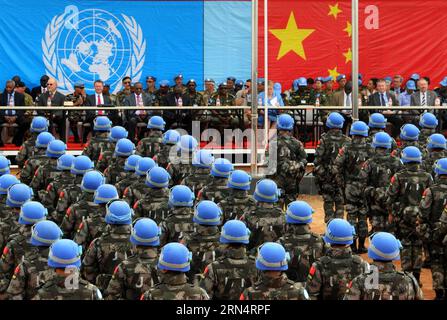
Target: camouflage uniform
x=230 y=274
x=106 y=154
x=440 y=270
x=304 y=247
x=177 y=224
x=266 y=223
x=105 y=253
x=27 y=150
x=150 y=146
x=236 y=203
x=174 y=286
x=330 y=275
x=216 y=190
x=94 y=146
x=204 y=245
x=91 y=227
x=197 y=179
x=77 y=213
x=136 y=191
x=325 y=154
x=430 y=158
x=55 y=289
x=67 y=196
x=121 y=95
x=424 y=134
x=291 y=165
x=373 y=131
x=179 y=168
x=154 y=205
x=397 y=152
x=45 y=174
x=114 y=170
x=162 y=158
x=124 y=180
x=278 y=288
x=302 y=97
x=29 y=275
x=392 y=285
x=375 y=174
x=8 y=224
x=431 y=206
x=223 y=119
x=134 y=276
x=31 y=165
x=347 y=167
x=404 y=196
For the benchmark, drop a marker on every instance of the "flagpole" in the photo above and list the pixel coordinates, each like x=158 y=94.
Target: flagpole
x=266 y=72
x=254 y=87
x=355 y=59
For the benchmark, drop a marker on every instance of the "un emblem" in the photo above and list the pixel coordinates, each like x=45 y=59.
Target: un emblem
x=92 y=44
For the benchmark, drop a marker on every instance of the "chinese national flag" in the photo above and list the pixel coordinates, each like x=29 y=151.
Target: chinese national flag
x=312 y=38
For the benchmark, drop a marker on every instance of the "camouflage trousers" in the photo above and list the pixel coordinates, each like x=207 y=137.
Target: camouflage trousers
x=355 y=208
x=411 y=255
x=438 y=259
x=378 y=220
x=333 y=202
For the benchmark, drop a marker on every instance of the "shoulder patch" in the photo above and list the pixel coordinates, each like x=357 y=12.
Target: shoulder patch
x=126 y=191
x=393 y=179
x=135 y=205
x=5 y=251
x=68 y=212
x=100 y=157
x=49 y=187
x=341 y=151
x=242 y=297
x=116 y=270
x=81 y=226
x=205 y=272
x=61 y=195
x=311 y=272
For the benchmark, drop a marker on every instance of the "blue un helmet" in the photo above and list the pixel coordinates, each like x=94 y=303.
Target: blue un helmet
x=181 y=196
x=64 y=253
x=145 y=232
x=4 y=165
x=56 y=148
x=43 y=139
x=44 y=233
x=117 y=133
x=266 y=191
x=339 y=231
x=381 y=140
x=207 y=213
x=32 y=212
x=272 y=257
x=105 y=193
x=118 y=212
x=302 y=82
x=428 y=120
x=64 y=162
x=187 y=143
x=409 y=132
x=131 y=162
x=411 y=155
x=92 y=180
x=81 y=164
x=299 y=212
x=39 y=124
x=102 y=123
x=335 y=121
x=18 y=194
x=144 y=165
x=377 y=120
x=157 y=177
x=203 y=159
x=234 y=231
x=441 y=166
x=285 y=122
x=221 y=168
x=359 y=128
x=383 y=246
x=156 y=122
x=171 y=137
x=124 y=148
x=437 y=141
x=240 y=180
x=6 y=181
x=174 y=257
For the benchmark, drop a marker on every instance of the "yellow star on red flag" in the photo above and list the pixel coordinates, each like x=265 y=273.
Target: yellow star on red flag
x=333 y=73
x=334 y=10
x=348 y=55
x=348 y=29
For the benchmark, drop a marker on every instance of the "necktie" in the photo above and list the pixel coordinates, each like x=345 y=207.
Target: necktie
x=382 y=99
x=139 y=112
x=423 y=102
x=348 y=100
x=100 y=112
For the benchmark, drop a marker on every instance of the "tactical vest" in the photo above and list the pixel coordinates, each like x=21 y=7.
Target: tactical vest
x=289 y=148
x=216 y=190
x=355 y=156
x=439 y=196
x=154 y=208
x=113 y=170
x=37 y=270
x=197 y=179
x=332 y=142
x=203 y=248
x=430 y=160
x=163 y=155
x=383 y=167
x=266 y=224
x=93 y=149
x=140 y=275
x=52 y=291
x=392 y=285
x=150 y=146
x=413 y=184
x=235 y=208
x=262 y=292
x=179 y=224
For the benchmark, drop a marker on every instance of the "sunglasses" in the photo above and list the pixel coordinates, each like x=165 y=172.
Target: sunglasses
x=127 y=82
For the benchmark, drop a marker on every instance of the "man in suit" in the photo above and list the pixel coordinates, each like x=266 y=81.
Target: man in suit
x=423 y=97
x=53 y=98
x=37 y=91
x=398 y=85
x=12 y=118
x=133 y=117
x=343 y=98
x=178 y=118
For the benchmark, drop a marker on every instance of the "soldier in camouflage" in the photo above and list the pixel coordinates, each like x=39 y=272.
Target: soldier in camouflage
x=199 y=176
x=127 y=176
x=267 y=221
x=330 y=142
x=216 y=189
x=125 y=92
x=6 y=181
x=374 y=176
x=303 y=95
x=65 y=283
x=273 y=284
x=138 y=189
x=434 y=200
x=180 y=166
x=173 y=264
x=234 y=271
x=150 y=146
x=329 y=276
x=388 y=283
x=304 y=246
x=124 y=148
x=428 y=124
x=377 y=123
x=138 y=273
x=238 y=201
x=111 y=248
x=168 y=148
x=347 y=166
x=100 y=137
x=436 y=149
x=106 y=149
x=409 y=137
x=291 y=159
x=33 y=271
x=223 y=119
x=28 y=148
x=404 y=195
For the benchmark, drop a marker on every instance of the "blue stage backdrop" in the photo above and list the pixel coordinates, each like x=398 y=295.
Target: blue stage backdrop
x=88 y=40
